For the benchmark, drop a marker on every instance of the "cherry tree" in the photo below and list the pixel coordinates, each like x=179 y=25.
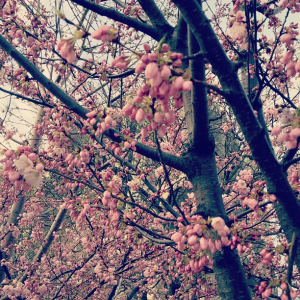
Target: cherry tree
x=163 y=161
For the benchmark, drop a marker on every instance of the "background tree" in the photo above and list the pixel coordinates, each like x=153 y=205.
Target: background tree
x=129 y=195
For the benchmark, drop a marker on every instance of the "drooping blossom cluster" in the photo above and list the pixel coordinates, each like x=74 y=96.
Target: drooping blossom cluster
x=265 y=289
x=164 y=86
x=201 y=240
x=290 y=129
x=20 y=168
x=237 y=27
x=66 y=46
x=292 y=65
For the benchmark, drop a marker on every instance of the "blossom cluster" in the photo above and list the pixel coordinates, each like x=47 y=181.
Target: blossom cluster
x=164 y=80
x=290 y=129
x=202 y=239
x=66 y=46
x=292 y=66
x=20 y=167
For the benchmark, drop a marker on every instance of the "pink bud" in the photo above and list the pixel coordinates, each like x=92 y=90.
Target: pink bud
x=151 y=70
x=192 y=240
x=13 y=176
x=287 y=57
x=162 y=130
x=178 y=82
x=165 y=48
x=120 y=62
x=158 y=117
x=156 y=80
x=106 y=194
x=163 y=88
x=264 y=252
x=239 y=248
x=91 y=114
x=224 y=240
x=268 y=292
x=178 y=103
x=138 y=99
x=284 y=296
x=177 y=63
x=203 y=243
x=147 y=48
x=165 y=72
x=140 y=115
x=218 y=223
x=105 y=33
x=286 y=38
x=153 y=57
x=190 y=232
x=39 y=167
x=144 y=58
x=8 y=153
x=276 y=130
x=293 y=294
x=154 y=125
x=108 y=119
x=32 y=156
x=140 y=68
x=187 y=86
x=170 y=116
x=127 y=109
x=283 y=286
x=93 y=121
x=290 y=69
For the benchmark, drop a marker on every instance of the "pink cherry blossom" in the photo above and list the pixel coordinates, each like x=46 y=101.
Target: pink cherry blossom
x=218 y=223
x=33 y=177
x=105 y=33
x=120 y=62
x=23 y=164
x=151 y=70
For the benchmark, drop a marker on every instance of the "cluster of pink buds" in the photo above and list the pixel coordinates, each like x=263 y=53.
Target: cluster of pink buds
x=84 y=156
x=164 y=80
x=107 y=276
x=66 y=50
x=201 y=236
x=284 y=287
x=265 y=290
x=252 y=203
x=66 y=46
x=107 y=123
x=19 y=167
x=121 y=62
x=290 y=131
x=105 y=33
x=107 y=200
x=81 y=216
x=267 y=256
x=292 y=67
x=289 y=137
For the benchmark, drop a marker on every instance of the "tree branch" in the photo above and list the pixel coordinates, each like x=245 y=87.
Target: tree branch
x=171 y=160
x=155 y=15
x=119 y=17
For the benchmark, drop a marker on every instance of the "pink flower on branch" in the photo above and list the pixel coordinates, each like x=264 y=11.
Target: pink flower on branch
x=105 y=33
x=121 y=62
x=67 y=51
